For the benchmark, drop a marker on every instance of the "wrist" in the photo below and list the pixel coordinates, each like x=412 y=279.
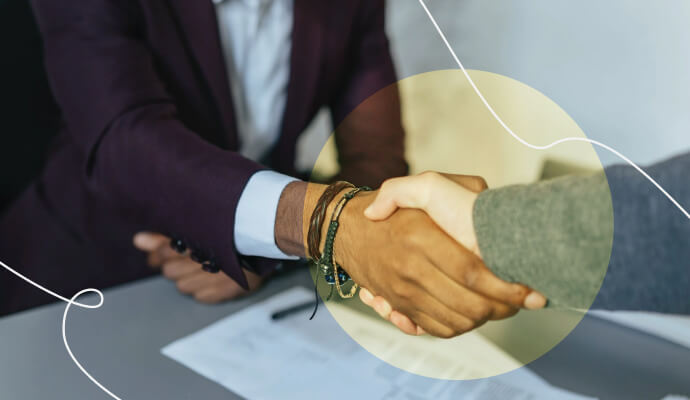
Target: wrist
x=353 y=226
x=329 y=213
x=472 y=241
x=296 y=204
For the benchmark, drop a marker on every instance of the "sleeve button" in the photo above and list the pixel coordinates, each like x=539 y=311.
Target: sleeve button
x=198 y=256
x=211 y=267
x=178 y=245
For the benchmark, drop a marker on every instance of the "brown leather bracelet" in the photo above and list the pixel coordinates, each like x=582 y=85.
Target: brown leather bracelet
x=319 y=215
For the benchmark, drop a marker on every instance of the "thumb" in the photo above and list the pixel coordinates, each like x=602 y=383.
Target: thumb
x=148 y=241
x=394 y=193
x=381 y=208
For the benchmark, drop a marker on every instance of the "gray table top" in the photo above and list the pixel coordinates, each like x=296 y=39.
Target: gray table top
x=120 y=345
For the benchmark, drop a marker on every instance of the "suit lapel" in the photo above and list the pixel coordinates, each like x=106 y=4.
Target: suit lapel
x=200 y=29
x=305 y=65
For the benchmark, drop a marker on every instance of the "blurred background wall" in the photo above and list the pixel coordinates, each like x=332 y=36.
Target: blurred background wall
x=619 y=68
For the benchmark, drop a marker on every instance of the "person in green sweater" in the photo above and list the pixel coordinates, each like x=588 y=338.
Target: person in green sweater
x=557 y=236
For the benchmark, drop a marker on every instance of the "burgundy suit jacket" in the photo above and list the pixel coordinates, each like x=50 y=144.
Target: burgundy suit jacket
x=149 y=137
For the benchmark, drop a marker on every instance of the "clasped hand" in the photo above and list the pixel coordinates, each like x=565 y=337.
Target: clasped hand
x=410 y=245
x=432 y=278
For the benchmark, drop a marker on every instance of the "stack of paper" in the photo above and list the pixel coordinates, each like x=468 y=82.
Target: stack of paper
x=258 y=358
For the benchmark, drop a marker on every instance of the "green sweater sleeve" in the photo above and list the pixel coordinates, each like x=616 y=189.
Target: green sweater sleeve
x=554 y=236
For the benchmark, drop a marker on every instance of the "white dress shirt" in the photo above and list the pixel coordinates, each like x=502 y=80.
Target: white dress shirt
x=256 y=36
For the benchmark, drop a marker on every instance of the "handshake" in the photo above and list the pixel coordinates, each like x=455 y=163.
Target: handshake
x=411 y=246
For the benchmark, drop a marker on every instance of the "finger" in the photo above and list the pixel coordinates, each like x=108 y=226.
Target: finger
x=150 y=241
x=366 y=296
x=382 y=307
x=436 y=328
x=468 y=270
x=193 y=283
x=474 y=183
x=162 y=255
x=475 y=307
x=209 y=296
x=405 y=192
x=514 y=294
x=386 y=202
x=535 y=301
x=404 y=323
x=253 y=280
x=439 y=312
x=502 y=311
x=177 y=269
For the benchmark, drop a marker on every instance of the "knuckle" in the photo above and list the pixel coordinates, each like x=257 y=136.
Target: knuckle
x=152 y=260
x=519 y=294
x=386 y=185
x=402 y=292
x=399 y=291
x=429 y=175
x=406 y=271
x=202 y=298
x=446 y=333
x=481 y=312
x=504 y=312
x=429 y=179
x=480 y=183
x=207 y=298
x=423 y=274
x=183 y=287
x=168 y=271
x=462 y=326
x=413 y=238
x=470 y=275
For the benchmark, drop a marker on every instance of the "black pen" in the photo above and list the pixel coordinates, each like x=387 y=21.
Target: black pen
x=292 y=310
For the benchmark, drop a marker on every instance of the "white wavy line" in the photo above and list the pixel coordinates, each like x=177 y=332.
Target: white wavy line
x=72 y=301
x=69 y=302
x=524 y=142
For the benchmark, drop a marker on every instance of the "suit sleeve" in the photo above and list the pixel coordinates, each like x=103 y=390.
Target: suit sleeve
x=560 y=236
x=140 y=157
x=366 y=112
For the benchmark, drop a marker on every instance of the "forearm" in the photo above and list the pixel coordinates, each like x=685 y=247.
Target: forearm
x=556 y=237
x=297 y=202
x=553 y=236
x=166 y=179
x=649 y=268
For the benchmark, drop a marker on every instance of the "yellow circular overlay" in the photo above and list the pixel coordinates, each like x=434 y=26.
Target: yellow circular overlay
x=449 y=129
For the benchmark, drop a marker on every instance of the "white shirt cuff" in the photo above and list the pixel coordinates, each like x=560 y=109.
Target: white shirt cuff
x=255 y=217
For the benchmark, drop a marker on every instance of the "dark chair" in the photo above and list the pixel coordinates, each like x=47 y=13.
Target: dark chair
x=29 y=117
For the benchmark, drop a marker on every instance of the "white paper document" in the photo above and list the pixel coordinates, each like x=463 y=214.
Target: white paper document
x=294 y=358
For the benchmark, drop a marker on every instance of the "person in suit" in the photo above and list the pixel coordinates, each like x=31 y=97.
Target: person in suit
x=181 y=117
x=559 y=235
x=170 y=107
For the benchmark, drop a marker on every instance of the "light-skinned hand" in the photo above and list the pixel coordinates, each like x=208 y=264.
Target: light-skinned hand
x=449 y=200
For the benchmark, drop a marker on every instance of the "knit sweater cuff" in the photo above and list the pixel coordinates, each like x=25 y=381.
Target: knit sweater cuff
x=554 y=236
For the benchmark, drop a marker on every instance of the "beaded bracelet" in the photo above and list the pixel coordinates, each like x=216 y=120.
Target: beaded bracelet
x=333 y=273
x=318 y=216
